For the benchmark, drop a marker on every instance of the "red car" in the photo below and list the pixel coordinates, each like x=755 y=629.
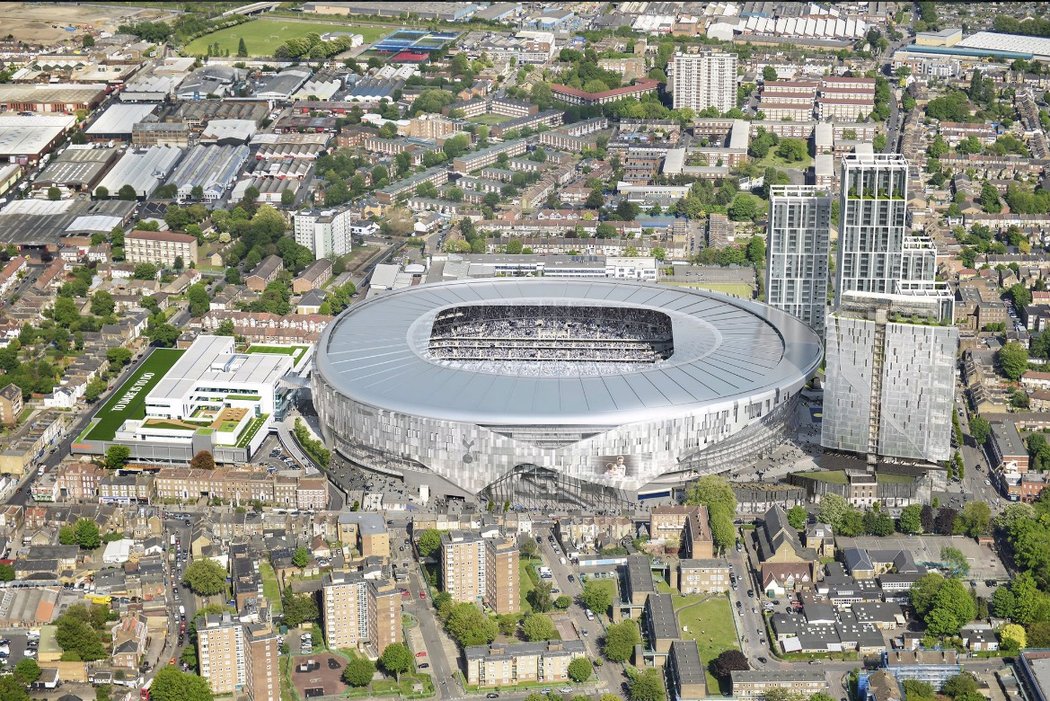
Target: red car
x=421 y=653
x=422 y=595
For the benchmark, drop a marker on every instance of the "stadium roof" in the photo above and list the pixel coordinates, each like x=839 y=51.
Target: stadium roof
x=725 y=350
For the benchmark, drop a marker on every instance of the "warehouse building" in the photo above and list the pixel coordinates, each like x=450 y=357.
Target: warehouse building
x=51 y=97
x=32 y=223
x=118 y=121
x=77 y=169
x=143 y=169
x=213 y=168
x=25 y=139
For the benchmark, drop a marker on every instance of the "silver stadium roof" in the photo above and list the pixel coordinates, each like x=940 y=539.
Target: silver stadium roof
x=725 y=349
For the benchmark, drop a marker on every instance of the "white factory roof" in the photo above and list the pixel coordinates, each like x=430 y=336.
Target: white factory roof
x=234 y=129
x=120 y=118
x=994 y=41
x=27 y=136
x=211 y=167
x=144 y=170
x=211 y=360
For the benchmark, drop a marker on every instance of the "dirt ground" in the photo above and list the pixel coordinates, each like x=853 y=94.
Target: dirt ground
x=323 y=678
x=45 y=23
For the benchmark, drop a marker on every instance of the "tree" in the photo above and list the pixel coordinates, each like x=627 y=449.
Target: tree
x=242 y=48
x=203 y=460
x=580 y=670
x=205 y=577
x=359 y=672
x=86 y=534
x=596 y=597
x=728 y=662
x=197 y=192
x=944 y=524
x=1020 y=294
x=710 y=490
x=722 y=530
x=911 y=519
x=1011 y=637
x=595 y=199
x=396 y=659
x=956 y=561
x=117 y=456
x=538 y=626
x=27 y=671
x=924 y=592
x=469 y=626
x=540 y=597
x=163 y=335
x=769 y=74
x=12 y=690
x=145 y=271
x=127 y=193
x=299 y=608
x=200 y=302
x=563 y=602
x=953 y=607
x=101 y=192
x=797 y=516
x=878 y=523
x=78 y=633
x=792 y=150
x=975 y=518
x=1003 y=602
x=980 y=429
x=744 y=207
x=1013 y=359
x=620 y=639
x=54 y=194
x=428 y=542
x=94 y=390
x=646 y=685
x=301 y=557
x=832 y=509
x=7 y=573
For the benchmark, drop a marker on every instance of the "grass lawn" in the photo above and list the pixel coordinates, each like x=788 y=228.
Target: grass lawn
x=736 y=289
x=295 y=351
x=524 y=564
x=775 y=161
x=490 y=119
x=250 y=430
x=119 y=408
x=271 y=590
x=263 y=36
x=710 y=624
x=894 y=479
x=834 y=477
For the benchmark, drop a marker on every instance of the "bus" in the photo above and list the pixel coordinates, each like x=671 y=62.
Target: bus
x=144 y=694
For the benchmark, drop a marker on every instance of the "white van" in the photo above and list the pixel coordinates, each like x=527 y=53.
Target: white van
x=590 y=615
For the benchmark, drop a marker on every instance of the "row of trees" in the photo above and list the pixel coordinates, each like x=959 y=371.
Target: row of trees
x=973 y=520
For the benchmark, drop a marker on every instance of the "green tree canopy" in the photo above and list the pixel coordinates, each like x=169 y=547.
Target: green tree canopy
x=596 y=596
x=359 y=672
x=205 y=577
x=580 y=670
x=428 y=542
x=620 y=639
x=396 y=659
x=538 y=626
x=1013 y=359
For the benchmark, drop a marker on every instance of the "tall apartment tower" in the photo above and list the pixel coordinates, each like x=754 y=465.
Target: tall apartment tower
x=502 y=583
x=481 y=570
x=797 y=245
x=221 y=653
x=702 y=80
x=889 y=383
x=872 y=223
x=263 y=668
x=360 y=613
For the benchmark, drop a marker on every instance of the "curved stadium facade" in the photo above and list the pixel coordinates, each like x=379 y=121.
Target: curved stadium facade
x=570 y=390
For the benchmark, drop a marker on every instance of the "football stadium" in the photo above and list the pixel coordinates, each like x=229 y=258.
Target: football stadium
x=579 y=391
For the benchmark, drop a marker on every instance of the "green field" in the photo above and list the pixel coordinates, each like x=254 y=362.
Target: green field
x=490 y=119
x=710 y=624
x=115 y=412
x=525 y=581
x=263 y=36
x=295 y=351
x=271 y=590
x=832 y=476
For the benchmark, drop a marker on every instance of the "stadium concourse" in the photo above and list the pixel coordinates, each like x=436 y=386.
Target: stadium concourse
x=598 y=391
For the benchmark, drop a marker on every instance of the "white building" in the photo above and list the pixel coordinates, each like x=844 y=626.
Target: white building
x=326 y=233
x=797 y=244
x=889 y=387
x=702 y=80
x=874 y=196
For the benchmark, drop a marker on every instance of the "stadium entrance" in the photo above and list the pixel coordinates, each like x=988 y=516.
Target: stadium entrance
x=531 y=487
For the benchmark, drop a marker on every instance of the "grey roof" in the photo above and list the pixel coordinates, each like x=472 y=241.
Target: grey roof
x=724 y=349
x=857 y=559
x=639 y=575
x=663 y=623
x=506 y=651
x=119 y=118
x=687 y=662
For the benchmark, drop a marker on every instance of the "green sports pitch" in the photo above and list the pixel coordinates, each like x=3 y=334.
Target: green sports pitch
x=129 y=401
x=263 y=36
